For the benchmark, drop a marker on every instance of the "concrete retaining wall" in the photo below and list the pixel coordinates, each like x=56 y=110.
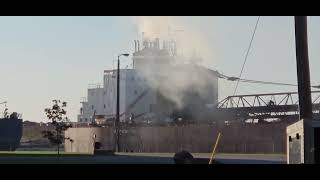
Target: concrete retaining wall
x=269 y=138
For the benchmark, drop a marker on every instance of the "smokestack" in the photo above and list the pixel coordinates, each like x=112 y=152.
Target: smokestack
x=138 y=45
x=135 y=46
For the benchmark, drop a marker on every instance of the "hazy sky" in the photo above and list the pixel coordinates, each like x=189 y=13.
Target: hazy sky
x=44 y=58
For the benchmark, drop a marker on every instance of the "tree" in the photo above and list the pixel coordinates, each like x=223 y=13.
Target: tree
x=57 y=114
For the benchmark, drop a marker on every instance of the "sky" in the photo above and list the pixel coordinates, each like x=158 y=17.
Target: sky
x=46 y=58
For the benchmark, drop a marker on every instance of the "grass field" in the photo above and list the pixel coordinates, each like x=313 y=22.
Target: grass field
x=38 y=153
x=76 y=158
x=44 y=157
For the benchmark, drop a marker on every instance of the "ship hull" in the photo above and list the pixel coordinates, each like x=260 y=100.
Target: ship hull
x=10 y=134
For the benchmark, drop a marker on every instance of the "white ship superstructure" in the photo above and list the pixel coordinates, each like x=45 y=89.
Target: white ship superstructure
x=149 y=89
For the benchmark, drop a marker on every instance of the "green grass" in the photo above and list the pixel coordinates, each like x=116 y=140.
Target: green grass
x=39 y=153
x=42 y=157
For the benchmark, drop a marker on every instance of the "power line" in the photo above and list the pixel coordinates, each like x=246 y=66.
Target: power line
x=260 y=82
x=246 y=57
x=266 y=82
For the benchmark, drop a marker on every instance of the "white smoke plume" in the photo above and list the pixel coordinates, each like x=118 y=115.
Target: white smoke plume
x=189 y=43
x=190 y=39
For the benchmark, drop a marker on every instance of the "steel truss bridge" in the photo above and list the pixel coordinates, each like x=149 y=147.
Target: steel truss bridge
x=263 y=107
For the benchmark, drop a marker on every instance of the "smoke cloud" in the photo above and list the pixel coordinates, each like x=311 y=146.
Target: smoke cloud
x=186 y=80
x=190 y=39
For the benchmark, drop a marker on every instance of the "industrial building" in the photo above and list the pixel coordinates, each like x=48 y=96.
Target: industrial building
x=160 y=84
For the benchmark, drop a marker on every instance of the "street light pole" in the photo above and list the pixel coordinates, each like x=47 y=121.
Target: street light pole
x=117 y=122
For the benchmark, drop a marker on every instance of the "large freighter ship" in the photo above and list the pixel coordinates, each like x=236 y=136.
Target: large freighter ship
x=10 y=131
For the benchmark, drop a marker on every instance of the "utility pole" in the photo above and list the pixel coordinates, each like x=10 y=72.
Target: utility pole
x=117 y=122
x=303 y=136
x=118 y=108
x=303 y=72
